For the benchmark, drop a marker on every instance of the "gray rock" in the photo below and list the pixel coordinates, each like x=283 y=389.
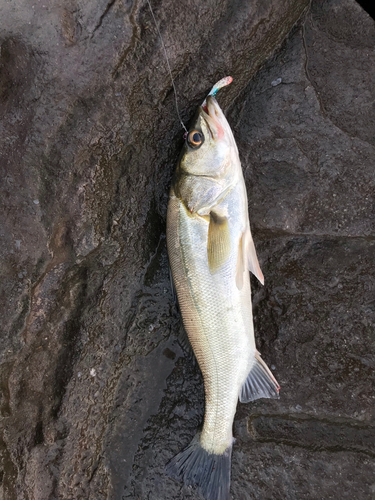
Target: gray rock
x=96 y=392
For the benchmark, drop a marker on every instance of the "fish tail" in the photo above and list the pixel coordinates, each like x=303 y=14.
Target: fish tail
x=210 y=472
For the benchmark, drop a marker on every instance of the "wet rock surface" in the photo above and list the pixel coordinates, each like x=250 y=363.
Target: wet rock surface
x=96 y=392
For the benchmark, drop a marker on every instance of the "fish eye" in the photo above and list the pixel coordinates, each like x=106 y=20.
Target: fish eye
x=195 y=139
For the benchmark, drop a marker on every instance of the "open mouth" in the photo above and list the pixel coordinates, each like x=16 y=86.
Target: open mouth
x=208 y=121
x=205 y=106
x=212 y=118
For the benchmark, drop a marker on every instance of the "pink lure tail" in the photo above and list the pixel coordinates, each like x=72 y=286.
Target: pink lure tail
x=220 y=84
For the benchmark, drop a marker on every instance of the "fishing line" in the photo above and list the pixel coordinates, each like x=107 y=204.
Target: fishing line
x=169 y=68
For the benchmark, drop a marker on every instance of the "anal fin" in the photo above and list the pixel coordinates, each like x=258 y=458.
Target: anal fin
x=260 y=382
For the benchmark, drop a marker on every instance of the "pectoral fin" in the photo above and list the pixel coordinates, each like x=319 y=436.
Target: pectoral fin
x=218 y=244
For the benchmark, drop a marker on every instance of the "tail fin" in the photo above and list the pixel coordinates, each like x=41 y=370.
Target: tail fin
x=260 y=382
x=210 y=472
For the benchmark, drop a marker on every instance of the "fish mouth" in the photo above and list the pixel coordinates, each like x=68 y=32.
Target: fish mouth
x=214 y=117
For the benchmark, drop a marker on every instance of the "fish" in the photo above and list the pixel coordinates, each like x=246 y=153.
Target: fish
x=211 y=251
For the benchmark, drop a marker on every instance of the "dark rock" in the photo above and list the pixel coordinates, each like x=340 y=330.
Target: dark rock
x=96 y=393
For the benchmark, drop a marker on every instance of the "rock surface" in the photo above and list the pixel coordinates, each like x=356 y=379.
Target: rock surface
x=96 y=393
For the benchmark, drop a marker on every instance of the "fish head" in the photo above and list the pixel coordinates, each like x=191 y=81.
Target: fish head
x=210 y=146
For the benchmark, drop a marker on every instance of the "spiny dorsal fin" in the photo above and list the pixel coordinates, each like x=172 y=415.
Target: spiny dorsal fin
x=218 y=243
x=260 y=382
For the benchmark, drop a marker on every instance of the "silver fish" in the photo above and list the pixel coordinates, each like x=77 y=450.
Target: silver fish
x=211 y=249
